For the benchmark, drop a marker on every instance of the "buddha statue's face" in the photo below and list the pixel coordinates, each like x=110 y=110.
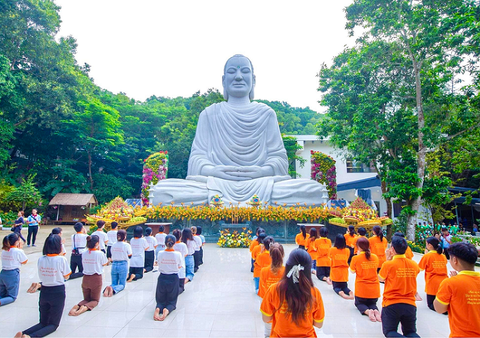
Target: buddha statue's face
x=238 y=78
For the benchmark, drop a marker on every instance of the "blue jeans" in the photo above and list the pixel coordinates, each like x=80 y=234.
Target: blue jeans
x=257 y=283
x=119 y=275
x=189 y=266
x=9 y=283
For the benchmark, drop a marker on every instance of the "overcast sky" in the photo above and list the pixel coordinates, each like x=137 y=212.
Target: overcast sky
x=175 y=48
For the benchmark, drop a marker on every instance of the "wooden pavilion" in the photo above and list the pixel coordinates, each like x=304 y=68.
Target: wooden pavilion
x=71 y=208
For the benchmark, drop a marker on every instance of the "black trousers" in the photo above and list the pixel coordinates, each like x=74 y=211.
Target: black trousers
x=323 y=271
x=341 y=286
x=32 y=234
x=167 y=292
x=253 y=261
x=445 y=252
x=76 y=262
x=51 y=303
x=138 y=272
x=18 y=230
x=364 y=304
x=149 y=260
x=404 y=314
x=351 y=254
x=196 y=260
x=181 y=285
x=201 y=256
x=109 y=251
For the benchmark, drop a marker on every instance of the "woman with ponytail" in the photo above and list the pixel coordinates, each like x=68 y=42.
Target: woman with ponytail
x=435 y=265
x=169 y=265
x=294 y=304
x=13 y=258
x=367 y=286
x=339 y=267
x=262 y=260
x=378 y=245
x=301 y=238
x=93 y=261
x=351 y=240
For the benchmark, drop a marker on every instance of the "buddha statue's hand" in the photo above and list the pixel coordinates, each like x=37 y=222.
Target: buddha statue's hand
x=252 y=172
x=225 y=172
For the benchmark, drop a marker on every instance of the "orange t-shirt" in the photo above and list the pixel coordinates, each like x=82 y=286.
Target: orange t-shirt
x=300 y=240
x=323 y=245
x=366 y=282
x=462 y=295
x=283 y=325
x=256 y=250
x=311 y=248
x=409 y=253
x=268 y=278
x=356 y=248
x=400 y=276
x=263 y=259
x=351 y=240
x=339 y=264
x=378 y=248
x=435 y=266
x=253 y=244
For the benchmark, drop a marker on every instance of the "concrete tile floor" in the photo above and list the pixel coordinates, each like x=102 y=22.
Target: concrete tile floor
x=220 y=302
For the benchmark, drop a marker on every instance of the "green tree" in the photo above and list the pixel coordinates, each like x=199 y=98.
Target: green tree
x=26 y=194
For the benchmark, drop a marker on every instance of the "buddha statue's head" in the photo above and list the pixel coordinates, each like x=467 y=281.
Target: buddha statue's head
x=238 y=78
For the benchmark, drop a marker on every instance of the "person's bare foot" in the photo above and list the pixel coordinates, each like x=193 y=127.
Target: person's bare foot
x=343 y=295
x=351 y=295
x=156 y=315
x=18 y=335
x=186 y=281
x=378 y=316
x=314 y=272
x=164 y=314
x=81 y=309
x=131 y=278
x=371 y=315
x=108 y=292
x=74 y=310
x=329 y=281
x=34 y=287
x=418 y=298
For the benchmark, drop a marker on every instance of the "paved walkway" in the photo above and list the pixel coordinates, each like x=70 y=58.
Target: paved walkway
x=220 y=302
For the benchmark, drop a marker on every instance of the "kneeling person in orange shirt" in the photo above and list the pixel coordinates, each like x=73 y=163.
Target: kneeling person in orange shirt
x=294 y=303
x=400 y=276
x=460 y=294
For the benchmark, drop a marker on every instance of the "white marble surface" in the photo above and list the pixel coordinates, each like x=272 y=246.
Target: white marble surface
x=220 y=302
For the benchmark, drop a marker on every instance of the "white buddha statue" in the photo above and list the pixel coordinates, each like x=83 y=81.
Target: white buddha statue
x=238 y=152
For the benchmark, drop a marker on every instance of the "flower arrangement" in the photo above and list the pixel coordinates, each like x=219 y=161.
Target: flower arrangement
x=154 y=169
x=119 y=211
x=235 y=239
x=360 y=211
x=324 y=171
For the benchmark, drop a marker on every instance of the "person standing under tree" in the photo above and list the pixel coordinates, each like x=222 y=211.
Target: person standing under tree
x=33 y=222
x=17 y=227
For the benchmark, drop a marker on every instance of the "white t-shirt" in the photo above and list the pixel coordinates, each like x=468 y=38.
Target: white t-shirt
x=197 y=240
x=139 y=245
x=203 y=238
x=160 y=237
x=112 y=237
x=52 y=270
x=121 y=251
x=192 y=246
x=93 y=261
x=13 y=259
x=169 y=262
x=152 y=242
x=102 y=237
x=182 y=248
x=80 y=242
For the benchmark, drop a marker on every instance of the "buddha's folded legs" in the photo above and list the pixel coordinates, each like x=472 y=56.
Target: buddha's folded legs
x=301 y=191
x=179 y=191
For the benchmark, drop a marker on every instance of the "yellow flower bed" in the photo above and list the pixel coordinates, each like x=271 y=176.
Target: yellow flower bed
x=234 y=239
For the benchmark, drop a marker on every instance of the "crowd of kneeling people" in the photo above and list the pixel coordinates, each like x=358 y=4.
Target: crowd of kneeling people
x=176 y=257
x=292 y=306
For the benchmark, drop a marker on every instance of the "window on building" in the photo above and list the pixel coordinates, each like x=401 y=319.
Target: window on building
x=358 y=167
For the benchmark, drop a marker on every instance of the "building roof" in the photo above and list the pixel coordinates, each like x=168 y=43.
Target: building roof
x=309 y=137
x=73 y=199
x=360 y=184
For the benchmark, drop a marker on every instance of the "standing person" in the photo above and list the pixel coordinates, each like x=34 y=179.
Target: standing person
x=351 y=240
x=294 y=305
x=169 y=265
x=187 y=238
x=378 y=245
x=137 y=262
x=121 y=253
x=79 y=243
x=199 y=233
x=323 y=245
x=339 y=267
x=53 y=270
x=150 y=252
x=182 y=248
x=102 y=236
x=474 y=230
x=312 y=249
x=446 y=241
x=112 y=238
x=400 y=276
x=160 y=237
x=18 y=225
x=93 y=262
x=196 y=254
x=302 y=237
x=435 y=265
x=262 y=260
x=13 y=258
x=367 y=286
x=33 y=222
x=459 y=295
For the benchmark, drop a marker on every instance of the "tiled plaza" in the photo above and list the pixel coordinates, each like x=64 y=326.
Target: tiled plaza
x=220 y=302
